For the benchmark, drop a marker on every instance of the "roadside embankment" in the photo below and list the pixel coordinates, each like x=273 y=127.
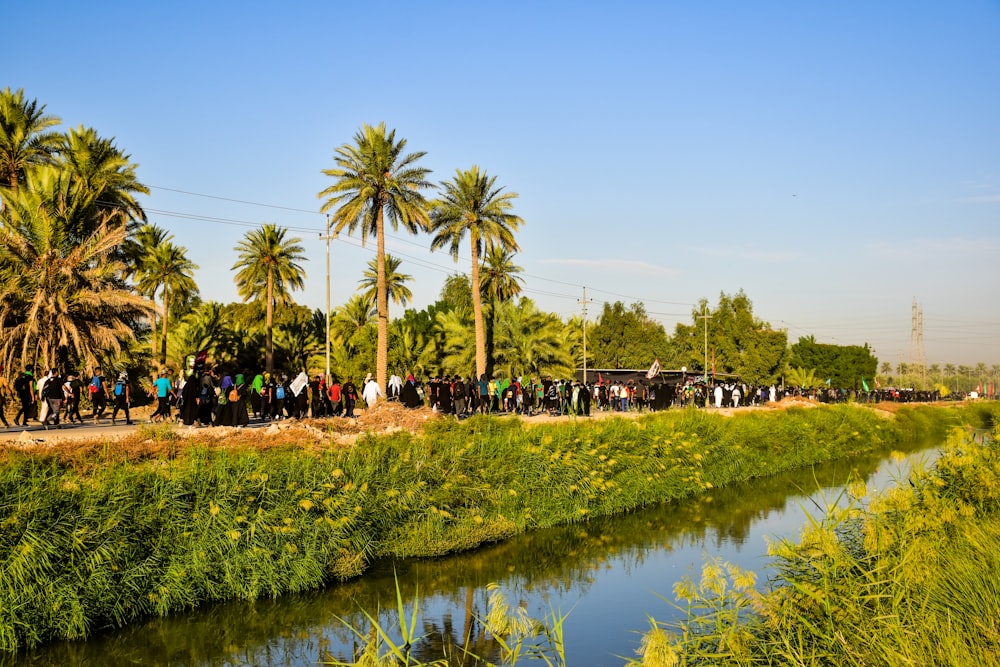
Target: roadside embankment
x=95 y=535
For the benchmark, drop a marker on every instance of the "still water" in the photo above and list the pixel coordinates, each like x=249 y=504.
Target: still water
x=606 y=574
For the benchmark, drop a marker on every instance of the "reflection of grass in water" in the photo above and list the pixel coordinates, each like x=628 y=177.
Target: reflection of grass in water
x=94 y=543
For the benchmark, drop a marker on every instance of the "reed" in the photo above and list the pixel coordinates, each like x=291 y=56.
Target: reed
x=907 y=579
x=97 y=541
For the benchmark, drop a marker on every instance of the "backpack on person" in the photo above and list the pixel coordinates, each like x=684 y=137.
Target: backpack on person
x=21 y=384
x=280 y=393
x=95 y=385
x=119 y=388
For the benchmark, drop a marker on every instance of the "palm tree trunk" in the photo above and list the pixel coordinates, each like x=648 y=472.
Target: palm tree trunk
x=477 y=312
x=382 y=303
x=269 y=350
x=163 y=338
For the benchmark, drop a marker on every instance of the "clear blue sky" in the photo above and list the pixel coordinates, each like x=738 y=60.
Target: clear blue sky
x=834 y=160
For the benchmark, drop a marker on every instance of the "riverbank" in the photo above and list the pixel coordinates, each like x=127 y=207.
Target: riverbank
x=904 y=577
x=98 y=536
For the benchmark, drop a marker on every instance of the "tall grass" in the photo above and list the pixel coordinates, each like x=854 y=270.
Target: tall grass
x=96 y=543
x=909 y=579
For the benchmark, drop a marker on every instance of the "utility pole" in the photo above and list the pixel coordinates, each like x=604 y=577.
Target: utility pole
x=584 y=301
x=705 y=316
x=327 y=237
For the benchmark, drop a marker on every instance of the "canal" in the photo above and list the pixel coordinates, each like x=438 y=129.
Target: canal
x=607 y=576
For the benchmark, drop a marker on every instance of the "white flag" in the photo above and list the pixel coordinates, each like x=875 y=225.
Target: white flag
x=654 y=370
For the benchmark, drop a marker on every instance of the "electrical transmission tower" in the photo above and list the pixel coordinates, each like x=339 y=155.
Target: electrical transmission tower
x=918 y=360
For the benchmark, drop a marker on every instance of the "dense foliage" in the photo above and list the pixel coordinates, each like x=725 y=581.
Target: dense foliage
x=843 y=365
x=102 y=539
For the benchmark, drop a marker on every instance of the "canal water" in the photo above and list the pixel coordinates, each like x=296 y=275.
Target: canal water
x=607 y=576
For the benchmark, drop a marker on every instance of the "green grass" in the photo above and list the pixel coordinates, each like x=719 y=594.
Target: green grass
x=86 y=545
x=909 y=579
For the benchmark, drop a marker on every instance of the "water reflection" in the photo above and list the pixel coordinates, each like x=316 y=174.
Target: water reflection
x=605 y=572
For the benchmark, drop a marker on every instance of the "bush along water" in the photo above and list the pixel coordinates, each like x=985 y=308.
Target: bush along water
x=907 y=578
x=88 y=543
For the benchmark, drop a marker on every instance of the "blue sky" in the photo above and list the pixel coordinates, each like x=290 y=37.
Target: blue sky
x=833 y=160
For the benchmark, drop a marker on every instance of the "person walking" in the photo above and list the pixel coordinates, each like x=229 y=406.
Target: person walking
x=24 y=387
x=98 y=395
x=123 y=398
x=73 y=388
x=5 y=395
x=163 y=390
x=52 y=394
x=350 y=394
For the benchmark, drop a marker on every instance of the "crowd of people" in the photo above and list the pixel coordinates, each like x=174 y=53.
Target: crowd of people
x=220 y=397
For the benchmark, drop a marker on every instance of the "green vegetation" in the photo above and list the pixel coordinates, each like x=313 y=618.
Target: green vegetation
x=843 y=365
x=909 y=579
x=100 y=540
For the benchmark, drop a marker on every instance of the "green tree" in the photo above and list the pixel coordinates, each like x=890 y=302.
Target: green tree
x=375 y=180
x=472 y=204
x=268 y=270
x=167 y=270
x=395 y=282
x=62 y=299
x=529 y=342
x=843 y=365
x=741 y=343
x=801 y=377
x=25 y=139
x=626 y=337
x=456 y=292
x=100 y=170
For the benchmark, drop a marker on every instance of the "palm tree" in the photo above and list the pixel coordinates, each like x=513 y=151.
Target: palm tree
x=375 y=181
x=24 y=139
x=472 y=204
x=102 y=170
x=140 y=245
x=167 y=270
x=62 y=299
x=528 y=341
x=395 y=282
x=351 y=318
x=499 y=280
x=268 y=270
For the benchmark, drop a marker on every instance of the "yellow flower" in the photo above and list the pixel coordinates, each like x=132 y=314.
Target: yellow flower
x=306 y=504
x=213 y=509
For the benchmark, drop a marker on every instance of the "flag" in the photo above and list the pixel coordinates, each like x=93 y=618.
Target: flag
x=878 y=385
x=979 y=389
x=654 y=370
x=828 y=382
x=864 y=385
x=600 y=379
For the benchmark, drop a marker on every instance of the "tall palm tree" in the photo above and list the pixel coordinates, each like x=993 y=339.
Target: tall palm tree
x=498 y=279
x=350 y=319
x=104 y=171
x=269 y=270
x=473 y=204
x=139 y=245
x=375 y=180
x=24 y=136
x=167 y=270
x=62 y=299
x=395 y=282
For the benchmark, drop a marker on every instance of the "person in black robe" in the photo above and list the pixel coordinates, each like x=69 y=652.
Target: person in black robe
x=444 y=396
x=189 y=401
x=349 y=392
x=408 y=395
